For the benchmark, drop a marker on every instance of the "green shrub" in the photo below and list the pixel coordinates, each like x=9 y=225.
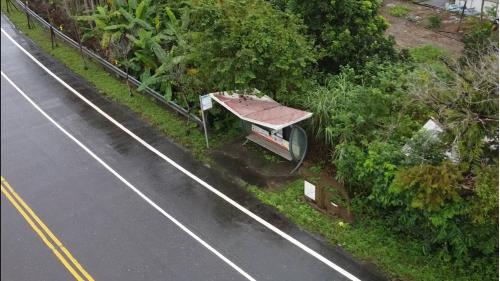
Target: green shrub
x=399 y=11
x=358 y=106
x=247 y=44
x=478 y=40
x=434 y=22
x=368 y=171
x=346 y=31
x=428 y=186
x=434 y=197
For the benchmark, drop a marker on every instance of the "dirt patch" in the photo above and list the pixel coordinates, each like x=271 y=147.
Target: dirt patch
x=254 y=165
x=411 y=30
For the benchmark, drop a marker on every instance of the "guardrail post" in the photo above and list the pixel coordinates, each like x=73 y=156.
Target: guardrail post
x=27 y=14
x=52 y=37
x=79 y=38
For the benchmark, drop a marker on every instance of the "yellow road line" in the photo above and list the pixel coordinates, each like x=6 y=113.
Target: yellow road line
x=47 y=230
x=42 y=236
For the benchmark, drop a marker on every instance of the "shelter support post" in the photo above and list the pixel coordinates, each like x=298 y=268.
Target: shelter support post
x=204 y=126
x=205 y=104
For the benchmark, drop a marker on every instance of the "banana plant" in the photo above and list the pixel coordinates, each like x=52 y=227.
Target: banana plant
x=165 y=75
x=151 y=36
x=118 y=19
x=170 y=62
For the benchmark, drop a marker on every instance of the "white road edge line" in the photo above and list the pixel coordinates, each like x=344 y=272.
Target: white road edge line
x=116 y=174
x=189 y=174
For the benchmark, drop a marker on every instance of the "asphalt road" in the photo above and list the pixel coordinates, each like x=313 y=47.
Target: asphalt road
x=112 y=230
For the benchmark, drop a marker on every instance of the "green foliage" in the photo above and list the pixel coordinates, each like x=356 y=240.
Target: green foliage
x=399 y=11
x=367 y=116
x=432 y=58
x=204 y=46
x=316 y=169
x=247 y=44
x=345 y=31
x=449 y=218
x=428 y=186
x=434 y=22
x=360 y=106
x=167 y=122
x=466 y=104
x=141 y=38
x=368 y=171
x=484 y=204
x=478 y=40
x=449 y=202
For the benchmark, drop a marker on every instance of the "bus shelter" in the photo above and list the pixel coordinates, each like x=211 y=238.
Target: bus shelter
x=268 y=124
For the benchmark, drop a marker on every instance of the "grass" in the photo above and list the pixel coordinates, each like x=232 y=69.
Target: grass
x=399 y=11
x=145 y=106
x=367 y=239
x=427 y=54
x=434 y=22
x=432 y=58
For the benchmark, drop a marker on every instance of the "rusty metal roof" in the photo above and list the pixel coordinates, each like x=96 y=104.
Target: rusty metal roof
x=262 y=111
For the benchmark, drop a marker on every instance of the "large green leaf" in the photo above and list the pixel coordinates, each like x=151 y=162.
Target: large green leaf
x=87 y=35
x=132 y=5
x=171 y=16
x=159 y=52
x=167 y=90
x=126 y=15
x=139 y=12
x=106 y=38
x=99 y=23
x=102 y=11
x=145 y=74
x=146 y=59
x=149 y=81
x=138 y=43
x=143 y=24
x=115 y=27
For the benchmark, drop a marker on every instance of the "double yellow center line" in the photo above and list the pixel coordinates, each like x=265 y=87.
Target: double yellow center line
x=50 y=240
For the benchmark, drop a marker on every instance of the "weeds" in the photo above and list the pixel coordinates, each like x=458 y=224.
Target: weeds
x=399 y=11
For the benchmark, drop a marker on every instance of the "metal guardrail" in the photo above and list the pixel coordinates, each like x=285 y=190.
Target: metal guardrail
x=112 y=68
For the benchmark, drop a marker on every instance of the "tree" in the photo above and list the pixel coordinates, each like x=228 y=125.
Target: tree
x=346 y=31
x=247 y=44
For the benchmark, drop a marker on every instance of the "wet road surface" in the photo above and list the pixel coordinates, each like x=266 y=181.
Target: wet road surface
x=114 y=233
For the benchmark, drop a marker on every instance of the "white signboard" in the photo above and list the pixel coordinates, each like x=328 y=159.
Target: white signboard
x=310 y=190
x=205 y=102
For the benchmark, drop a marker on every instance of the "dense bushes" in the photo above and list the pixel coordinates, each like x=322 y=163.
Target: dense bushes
x=360 y=106
x=247 y=44
x=345 y=31
x=420 y=192
x=195 y=48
